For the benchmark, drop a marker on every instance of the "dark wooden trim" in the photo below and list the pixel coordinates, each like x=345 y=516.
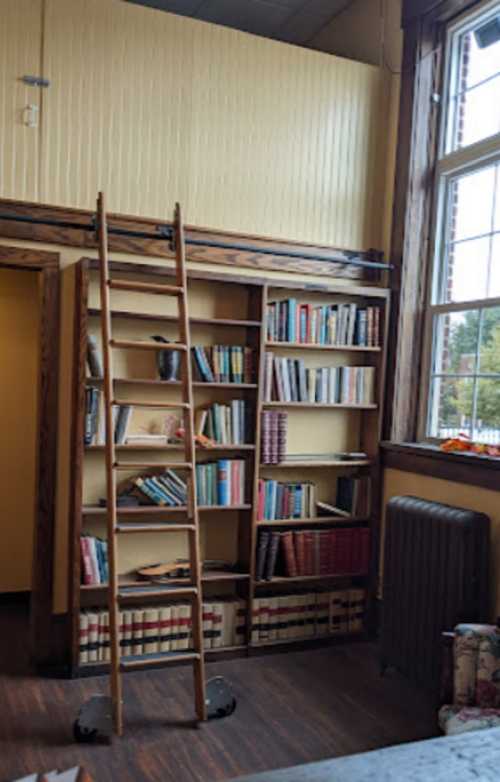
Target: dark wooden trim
x=438 y=10
x=47 y=264
x=81 y=289
x=151 y=247
x=413 y=198
x=15 y=598
x=429 y=460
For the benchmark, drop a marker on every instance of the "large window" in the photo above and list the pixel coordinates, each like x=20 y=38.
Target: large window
x=463 y=317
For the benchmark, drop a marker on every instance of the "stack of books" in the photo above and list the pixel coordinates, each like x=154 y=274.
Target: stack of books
x=224 y=424
x=94 y=560
x=334 y=552
x=337 y=324
x=288 y=380
x=289 y=500
x=353 y=496
x=157 y=629
x=223 y=364
x=221 y=482
x=94 y=433
x=274 y=426
x=165 y=488
x=307 y=615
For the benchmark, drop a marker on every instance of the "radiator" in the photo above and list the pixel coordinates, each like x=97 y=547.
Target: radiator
x=436 y=574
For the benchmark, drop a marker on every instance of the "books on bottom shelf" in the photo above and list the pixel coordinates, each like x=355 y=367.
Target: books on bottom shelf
x=274 y=427
x=325 y=552
x=158 y=629
x=221 y=482
x=288 y=380
x=278 y=500
x=94 y=560
x=307 y=615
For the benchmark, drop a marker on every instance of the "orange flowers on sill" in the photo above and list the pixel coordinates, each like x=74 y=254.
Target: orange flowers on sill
x=464 y=443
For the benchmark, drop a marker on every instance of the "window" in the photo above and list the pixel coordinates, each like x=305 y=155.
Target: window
x=463 y=315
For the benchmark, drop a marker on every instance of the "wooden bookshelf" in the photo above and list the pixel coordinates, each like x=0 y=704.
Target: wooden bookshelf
x=229 y=310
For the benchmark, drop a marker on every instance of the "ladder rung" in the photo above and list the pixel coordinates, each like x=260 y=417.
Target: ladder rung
x=145 y=287
x=158 y=658
x=145 y=344
x=159 y=405
x=159 y=527
x=157 y=590
x=146 y=465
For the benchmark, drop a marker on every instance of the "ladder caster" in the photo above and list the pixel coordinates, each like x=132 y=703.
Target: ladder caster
x=220 y=700
x=94 y=721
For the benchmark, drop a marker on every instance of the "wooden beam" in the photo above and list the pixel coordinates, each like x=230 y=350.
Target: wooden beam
x=439 y=10
x=76 y=237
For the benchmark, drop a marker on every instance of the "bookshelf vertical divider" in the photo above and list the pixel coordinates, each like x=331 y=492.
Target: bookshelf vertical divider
x=242 y=522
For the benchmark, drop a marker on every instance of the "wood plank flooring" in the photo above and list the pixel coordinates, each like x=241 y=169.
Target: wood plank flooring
x=292 y=708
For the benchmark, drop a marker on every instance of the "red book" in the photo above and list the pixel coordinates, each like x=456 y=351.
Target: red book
x=308 y=553
x=324 y=552
x=309 y=334
x=87 y=573
x=300 y=553
x=289 y=552
x=364 y=546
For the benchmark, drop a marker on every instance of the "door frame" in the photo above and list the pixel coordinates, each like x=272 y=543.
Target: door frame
x=41 y=600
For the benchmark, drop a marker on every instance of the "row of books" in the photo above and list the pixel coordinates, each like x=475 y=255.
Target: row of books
x=290 y=500
x=307 y=615
x=221 y=482
x=214 y=364
x=274 y=425
x=94 y=560
x=166 y=488
x=344 y=551
x=94 y=433
x=224 y=424
x=288 y=380
x=224 y=364
x=337 y=324
x=153 y=630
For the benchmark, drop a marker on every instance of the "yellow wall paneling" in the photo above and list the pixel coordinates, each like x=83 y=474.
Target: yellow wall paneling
x=19 y=362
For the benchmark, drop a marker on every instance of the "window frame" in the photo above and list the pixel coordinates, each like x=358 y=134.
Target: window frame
x=448 y=166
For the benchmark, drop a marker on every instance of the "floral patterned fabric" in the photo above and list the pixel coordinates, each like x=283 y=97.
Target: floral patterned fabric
x=476 y=680
x=462 y=719
x=477 y=666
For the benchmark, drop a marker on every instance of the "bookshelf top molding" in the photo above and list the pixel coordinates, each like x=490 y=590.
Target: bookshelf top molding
x=149 y=237
x=154 y=270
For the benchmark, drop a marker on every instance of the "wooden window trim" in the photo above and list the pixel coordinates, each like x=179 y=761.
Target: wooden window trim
x=421 y=78
x=43 y=637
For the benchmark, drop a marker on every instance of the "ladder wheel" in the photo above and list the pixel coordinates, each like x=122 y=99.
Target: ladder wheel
x=83 y=735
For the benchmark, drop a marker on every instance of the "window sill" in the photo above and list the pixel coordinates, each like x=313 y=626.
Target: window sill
x=426 y=459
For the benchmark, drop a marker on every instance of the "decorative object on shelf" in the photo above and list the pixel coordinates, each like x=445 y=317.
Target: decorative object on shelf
x=168 y=361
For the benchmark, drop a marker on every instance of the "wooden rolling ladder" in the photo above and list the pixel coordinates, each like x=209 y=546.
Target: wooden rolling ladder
x=115 y=527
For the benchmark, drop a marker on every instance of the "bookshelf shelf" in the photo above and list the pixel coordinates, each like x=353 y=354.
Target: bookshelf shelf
x=319 y=405
x=211 y=576
x=316 y=463
x=132 y=381
x=314 y=346
x=136 y=375
x=316 y=521
x=126 y=314
x=173 y=447
x=304 y=579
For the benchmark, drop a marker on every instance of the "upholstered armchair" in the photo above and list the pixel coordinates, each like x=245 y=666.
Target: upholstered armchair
x=471 y=679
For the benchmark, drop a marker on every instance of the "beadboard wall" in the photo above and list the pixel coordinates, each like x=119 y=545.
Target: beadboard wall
x=250 y=135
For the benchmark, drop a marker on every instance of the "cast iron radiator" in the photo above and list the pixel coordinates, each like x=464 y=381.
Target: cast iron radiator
x=436 y=563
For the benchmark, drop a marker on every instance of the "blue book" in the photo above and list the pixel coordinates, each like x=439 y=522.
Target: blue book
x=224 y=482
x=298 y=501
x=292 y=320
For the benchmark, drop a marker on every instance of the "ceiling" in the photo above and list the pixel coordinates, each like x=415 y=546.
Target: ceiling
x=292 y=21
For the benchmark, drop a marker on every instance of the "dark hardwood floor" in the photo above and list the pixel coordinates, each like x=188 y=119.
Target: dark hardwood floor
x=292 y=708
